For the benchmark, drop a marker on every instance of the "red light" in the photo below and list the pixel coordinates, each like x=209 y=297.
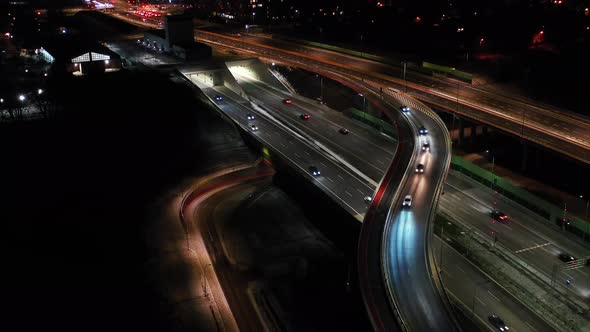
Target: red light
x=418 y=19
x=541 y=32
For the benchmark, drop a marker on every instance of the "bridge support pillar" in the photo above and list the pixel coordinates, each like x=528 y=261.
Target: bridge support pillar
x=473 y=133
x=461 y=131
x=523 y=165
x=484 y=130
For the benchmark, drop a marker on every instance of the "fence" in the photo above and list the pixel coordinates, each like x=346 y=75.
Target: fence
x=372 y=121
x=463 y=76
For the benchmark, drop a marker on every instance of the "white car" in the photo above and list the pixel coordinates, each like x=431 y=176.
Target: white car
x=253 y=126
x=407 y=201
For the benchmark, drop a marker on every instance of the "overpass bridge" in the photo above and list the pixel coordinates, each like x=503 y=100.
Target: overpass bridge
x=399 y=280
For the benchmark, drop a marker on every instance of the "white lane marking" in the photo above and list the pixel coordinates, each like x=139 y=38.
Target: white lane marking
x=340 y=176
x=494 y=296
x=362 y=193
x=533 y=247
x=296 y=155
x=292 y=142
x=480 y=301
x=327 y=177
x=532 y=327
x=349 y=194
x=459 y=268
x=510 y=228
x=323 y=164
x=307 y=153
x=380 y=161
x=283 y=145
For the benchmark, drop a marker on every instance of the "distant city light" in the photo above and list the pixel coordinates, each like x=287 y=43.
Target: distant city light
x=40 y=91
x=21 y=97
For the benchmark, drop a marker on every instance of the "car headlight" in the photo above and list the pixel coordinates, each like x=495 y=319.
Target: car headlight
x=501 y=329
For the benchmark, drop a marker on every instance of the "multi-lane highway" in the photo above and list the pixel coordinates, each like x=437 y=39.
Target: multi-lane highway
x=561 y=131
x=483 y=296
x=358 y=146
x=344 y=185
x=525 y=234
x=412 y=285
x=408 y=263
x=322 y=118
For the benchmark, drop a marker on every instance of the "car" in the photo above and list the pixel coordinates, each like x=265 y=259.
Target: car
x=420 y=168
x=250 y=117
x=567 y=258
x=343 y=131
x=407 y=201
x=218 y=98
x=305 y=116
x=314 y=171
x=253 y=126
x=499 y=216
x=498 y=323
x=287 y=101
x=405 y=109
x=320 y=100
x=423 y=130
x=426 y=147
x=368 y=199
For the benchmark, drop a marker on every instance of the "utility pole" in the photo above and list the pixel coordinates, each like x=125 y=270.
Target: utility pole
x=405 y=63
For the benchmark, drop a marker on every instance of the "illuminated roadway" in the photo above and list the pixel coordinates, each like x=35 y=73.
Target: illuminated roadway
x=561 y=131
x=464 y=199
x=412 y=283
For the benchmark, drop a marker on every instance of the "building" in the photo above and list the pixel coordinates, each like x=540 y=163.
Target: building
x=177 y=38
x=79 y=57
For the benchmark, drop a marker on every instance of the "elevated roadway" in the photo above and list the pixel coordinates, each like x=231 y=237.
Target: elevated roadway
x=558 y=130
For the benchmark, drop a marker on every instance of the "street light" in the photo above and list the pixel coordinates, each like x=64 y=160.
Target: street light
x=587 y=221
x=364 y=100
x=405 y=63
x=321 y=87
x=40 y=91
x=21 y=97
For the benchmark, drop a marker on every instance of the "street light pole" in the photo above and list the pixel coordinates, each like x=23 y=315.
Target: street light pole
x=405 y=63
x=523 y=122
x=322 y=88
x=587 y=232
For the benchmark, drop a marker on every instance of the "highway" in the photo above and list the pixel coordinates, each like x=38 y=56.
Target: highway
x=478 y=293
x=561 y=131
x=273 y=98
x=410 y=272
x=358 y=147
x=407 y=263
x=525 y=235
x=336 y=179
